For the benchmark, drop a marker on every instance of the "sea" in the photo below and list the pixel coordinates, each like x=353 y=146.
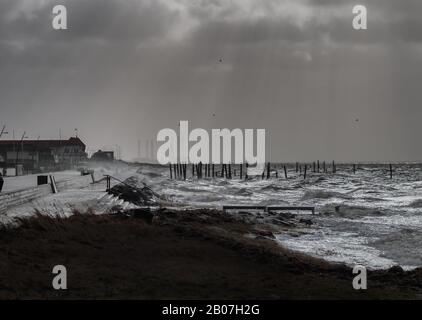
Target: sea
x=363 y=216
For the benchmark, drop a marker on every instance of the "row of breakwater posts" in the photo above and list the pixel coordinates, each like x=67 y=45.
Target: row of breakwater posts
x=180 y=171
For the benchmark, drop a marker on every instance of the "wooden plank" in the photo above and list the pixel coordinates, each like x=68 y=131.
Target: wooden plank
x=285 y=208
x=225 y=208
x=273 y=208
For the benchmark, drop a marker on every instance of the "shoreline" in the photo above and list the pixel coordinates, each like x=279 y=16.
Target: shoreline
x=175 y=254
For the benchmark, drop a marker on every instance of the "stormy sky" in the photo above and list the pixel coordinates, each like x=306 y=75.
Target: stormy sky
x=126 y=69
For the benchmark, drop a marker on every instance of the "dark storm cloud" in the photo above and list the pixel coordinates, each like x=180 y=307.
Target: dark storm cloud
x=135 y=20
x=390 y=21
x=24 y=24
x=295 y=67
x=113 y=20
x=26 y=35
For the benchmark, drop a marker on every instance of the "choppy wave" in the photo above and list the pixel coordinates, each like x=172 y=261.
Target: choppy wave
x=324 y=194
x=363 y=217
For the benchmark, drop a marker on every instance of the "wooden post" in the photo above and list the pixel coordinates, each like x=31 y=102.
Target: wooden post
x=324 y=167
x=184 y=171
x=108 y=179
x=318 y=166
x=304 y=174
x=241 y=171
x=171 y=173
x=334 y=167
x=268 y=170
x=200 y=169
x=246 y=171
x=285 y=172
x=354 y=168
x=213 y=170
x=297 y=167
x=314 y=167
x=230 y=170
x=391 y=171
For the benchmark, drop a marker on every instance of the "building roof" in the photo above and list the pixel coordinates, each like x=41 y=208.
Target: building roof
x=74 y=141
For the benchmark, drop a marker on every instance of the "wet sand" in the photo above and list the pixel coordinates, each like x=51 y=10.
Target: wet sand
x=196 y=254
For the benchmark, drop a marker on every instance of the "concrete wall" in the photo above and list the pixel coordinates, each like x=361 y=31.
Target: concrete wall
x=15 y=198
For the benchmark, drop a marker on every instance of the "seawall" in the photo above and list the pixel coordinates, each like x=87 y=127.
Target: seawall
x=19 y=197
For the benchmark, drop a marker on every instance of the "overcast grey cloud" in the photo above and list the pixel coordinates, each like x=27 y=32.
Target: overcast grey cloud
x=126 y=69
